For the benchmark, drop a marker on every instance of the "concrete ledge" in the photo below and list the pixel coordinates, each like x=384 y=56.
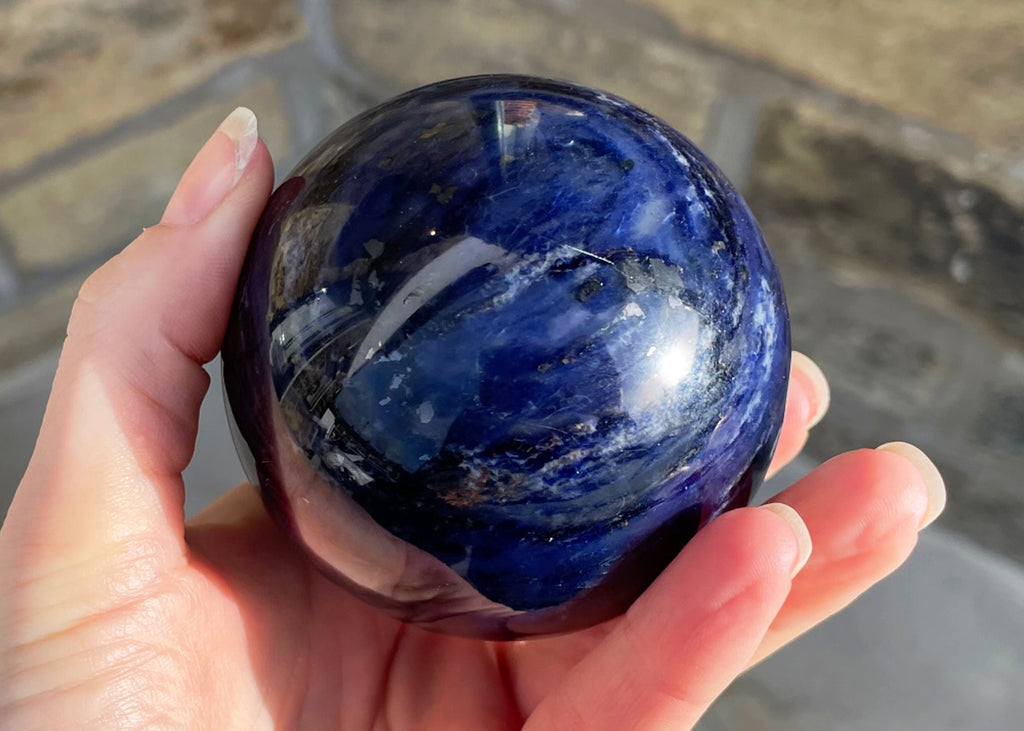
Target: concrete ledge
x=938 y=646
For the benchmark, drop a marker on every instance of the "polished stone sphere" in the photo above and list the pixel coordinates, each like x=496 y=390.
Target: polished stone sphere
x=500 y=347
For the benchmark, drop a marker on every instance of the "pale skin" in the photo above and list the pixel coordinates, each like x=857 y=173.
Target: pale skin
x=117 y=613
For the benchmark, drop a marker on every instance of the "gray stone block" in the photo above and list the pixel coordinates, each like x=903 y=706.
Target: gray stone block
x=874 y=206
x=74 y=69
x=407 y=43
x=937 y=646
x=905 y=279
x=98 y=204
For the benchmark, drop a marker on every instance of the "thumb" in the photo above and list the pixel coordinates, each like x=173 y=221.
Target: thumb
x=121 y=421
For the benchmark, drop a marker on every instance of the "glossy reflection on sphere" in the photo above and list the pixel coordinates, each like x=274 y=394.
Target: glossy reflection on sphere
x=501 y=346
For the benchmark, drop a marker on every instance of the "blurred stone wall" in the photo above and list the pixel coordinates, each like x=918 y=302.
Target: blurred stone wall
x=879 y=143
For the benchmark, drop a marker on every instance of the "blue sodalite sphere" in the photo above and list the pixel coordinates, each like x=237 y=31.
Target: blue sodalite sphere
x=500 y=347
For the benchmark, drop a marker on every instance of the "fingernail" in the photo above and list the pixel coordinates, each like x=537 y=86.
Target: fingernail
x=929 y=473
x=241 y=128
x=799 y=528
x=822 y=394
x=211 y=174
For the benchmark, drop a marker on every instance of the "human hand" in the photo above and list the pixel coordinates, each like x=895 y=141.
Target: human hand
x=117 y=613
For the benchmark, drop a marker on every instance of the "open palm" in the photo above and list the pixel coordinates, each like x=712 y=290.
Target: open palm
x=115 y=613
